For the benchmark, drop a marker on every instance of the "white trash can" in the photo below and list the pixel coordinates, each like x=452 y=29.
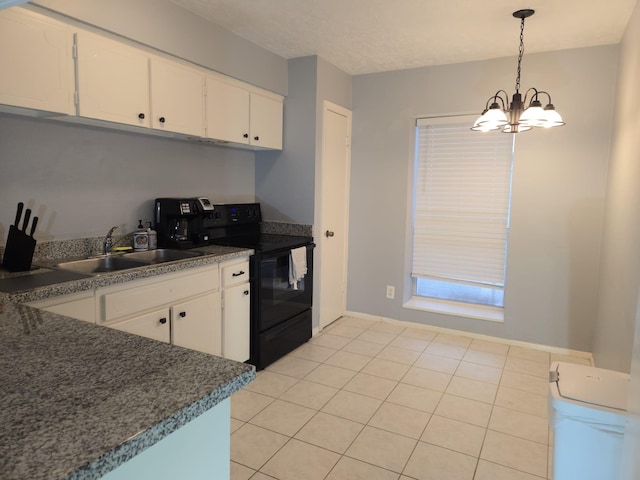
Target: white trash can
x=587 y=414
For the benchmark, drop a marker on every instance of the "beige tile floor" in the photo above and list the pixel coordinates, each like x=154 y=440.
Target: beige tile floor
x=375 y=400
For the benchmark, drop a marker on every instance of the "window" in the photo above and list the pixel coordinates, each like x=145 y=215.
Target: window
x=462 y=196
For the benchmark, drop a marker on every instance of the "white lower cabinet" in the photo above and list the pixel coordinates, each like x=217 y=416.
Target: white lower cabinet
x=151 y=325
x=77 y=305
x=187 y=308
x=236 y=310
x=180 y=308
x=197 y=324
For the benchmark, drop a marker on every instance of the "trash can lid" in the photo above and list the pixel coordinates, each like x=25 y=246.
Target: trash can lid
x=596 y=386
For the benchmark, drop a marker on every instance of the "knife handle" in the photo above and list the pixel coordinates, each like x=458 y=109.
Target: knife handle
x=33 y=226
x=18 y=214
x=27 y=216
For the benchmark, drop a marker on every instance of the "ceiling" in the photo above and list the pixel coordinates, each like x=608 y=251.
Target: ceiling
x=365 y=36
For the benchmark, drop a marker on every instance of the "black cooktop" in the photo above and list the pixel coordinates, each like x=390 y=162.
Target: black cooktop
x=264 y=242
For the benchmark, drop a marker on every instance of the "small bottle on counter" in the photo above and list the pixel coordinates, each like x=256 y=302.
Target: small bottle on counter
x=153 y=237
x=140 y=238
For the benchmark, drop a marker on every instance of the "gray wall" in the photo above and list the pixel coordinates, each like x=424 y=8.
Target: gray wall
x=285 y=181
x=558 y=190
x=620 y=266
x=164 y=25
x=81 y=180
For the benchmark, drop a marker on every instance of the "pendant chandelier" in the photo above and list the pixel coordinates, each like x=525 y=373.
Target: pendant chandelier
x=513 y=117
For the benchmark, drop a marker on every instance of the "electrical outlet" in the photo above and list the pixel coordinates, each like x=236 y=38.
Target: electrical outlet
x=391 y=292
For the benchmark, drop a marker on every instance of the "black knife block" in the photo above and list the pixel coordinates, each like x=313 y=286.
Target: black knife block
x=18 y=252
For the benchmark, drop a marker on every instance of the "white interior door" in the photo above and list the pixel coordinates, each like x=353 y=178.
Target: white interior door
x=332 y=236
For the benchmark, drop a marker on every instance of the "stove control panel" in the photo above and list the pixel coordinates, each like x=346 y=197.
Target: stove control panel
x=238 y=213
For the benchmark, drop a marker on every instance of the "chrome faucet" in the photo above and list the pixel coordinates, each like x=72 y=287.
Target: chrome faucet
x=108 y=241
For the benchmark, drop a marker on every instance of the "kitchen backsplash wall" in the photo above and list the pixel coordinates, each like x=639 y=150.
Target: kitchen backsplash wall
x=80 y=181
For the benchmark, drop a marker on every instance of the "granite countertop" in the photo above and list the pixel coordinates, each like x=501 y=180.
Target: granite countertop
x=78 y=399
x=212 y=254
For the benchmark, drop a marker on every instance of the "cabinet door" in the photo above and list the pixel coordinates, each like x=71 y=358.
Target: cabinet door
x=176 y=98
x=236 y=323
x=266 y=122
x=37 y=62
x=197 y=324
x=113 y=81
x=153 y=325
x=227 y=111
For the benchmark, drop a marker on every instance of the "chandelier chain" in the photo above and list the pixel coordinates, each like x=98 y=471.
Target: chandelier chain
x=520 y=54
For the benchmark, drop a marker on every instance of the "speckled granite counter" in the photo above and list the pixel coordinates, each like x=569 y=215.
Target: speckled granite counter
x=77 y=400
x=213 y=254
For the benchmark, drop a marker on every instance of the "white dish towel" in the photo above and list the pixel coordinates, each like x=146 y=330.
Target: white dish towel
x=297 y=265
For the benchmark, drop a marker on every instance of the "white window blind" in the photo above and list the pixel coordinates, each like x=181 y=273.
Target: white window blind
x=463 y=190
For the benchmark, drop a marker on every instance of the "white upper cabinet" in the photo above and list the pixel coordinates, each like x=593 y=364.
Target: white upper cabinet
x=128 y=86
x=238 y=114
x=266 y=122
x=37 y=62
x=227 y=107
x=176 y=98
x=113 y=81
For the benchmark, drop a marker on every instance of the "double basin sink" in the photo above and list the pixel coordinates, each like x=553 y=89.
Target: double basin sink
x=124 y=261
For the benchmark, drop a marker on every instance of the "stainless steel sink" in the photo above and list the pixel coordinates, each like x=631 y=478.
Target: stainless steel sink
x=161 y=255
x=117 y=262
x=94 y=266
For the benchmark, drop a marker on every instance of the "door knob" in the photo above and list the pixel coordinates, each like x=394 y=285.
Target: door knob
x=328 y=233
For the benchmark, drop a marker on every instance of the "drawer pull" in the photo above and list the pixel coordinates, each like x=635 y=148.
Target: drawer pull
x=163 y=321
x=246 y=292
x=182 y=314
x=237 y=274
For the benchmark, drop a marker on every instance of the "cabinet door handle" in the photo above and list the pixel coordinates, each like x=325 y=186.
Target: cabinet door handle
x=256 y=138
x=161 y=119
x=163 y=320
x=141 y=116
x=246 y=292
x=182 y=314
x=237 y=274
x=246 y=135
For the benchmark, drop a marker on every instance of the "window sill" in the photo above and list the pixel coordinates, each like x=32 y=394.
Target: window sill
x=458 y=309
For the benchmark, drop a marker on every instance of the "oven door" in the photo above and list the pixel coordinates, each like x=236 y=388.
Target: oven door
x=277 y=299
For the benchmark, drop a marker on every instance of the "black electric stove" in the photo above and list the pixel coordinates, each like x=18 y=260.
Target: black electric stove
x=280 y=309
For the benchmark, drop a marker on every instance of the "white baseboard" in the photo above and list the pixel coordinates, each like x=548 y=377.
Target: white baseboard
x=516 y=343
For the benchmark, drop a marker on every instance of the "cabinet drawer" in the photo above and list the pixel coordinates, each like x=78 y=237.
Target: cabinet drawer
x=152 y=293
x=235 y=274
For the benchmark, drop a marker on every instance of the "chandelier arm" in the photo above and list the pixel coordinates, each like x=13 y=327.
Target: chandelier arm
x=534 y=96
x=504 y=101
x=546 y=93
